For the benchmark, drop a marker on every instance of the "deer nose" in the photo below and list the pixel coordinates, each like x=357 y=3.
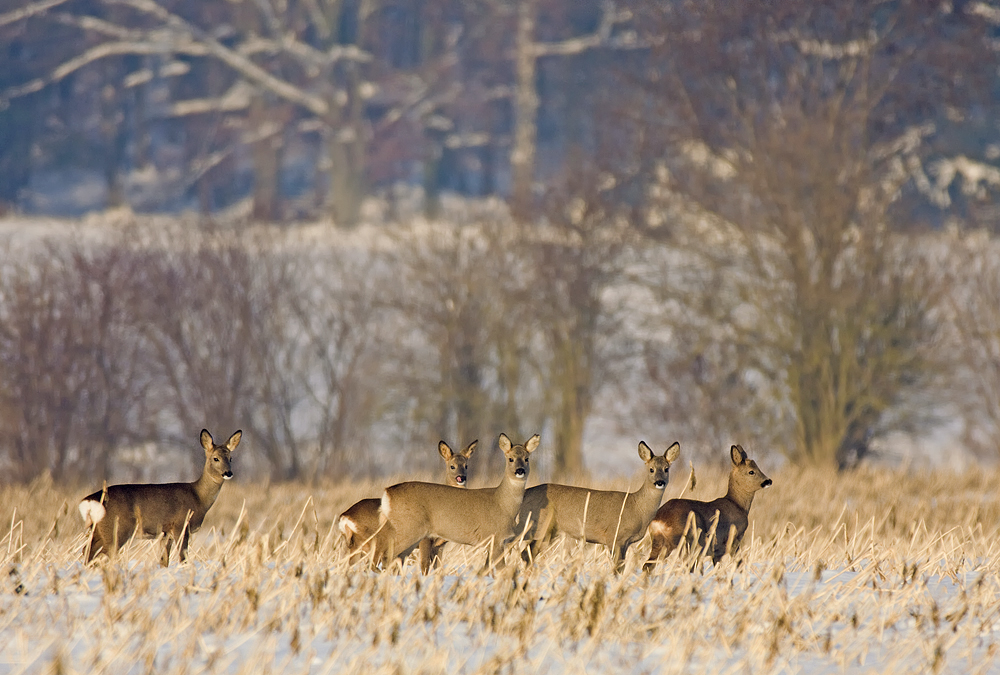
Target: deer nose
x=227 y=475
x=459 y=479
x=519 y=472
x=766 y=483
x=660 y=484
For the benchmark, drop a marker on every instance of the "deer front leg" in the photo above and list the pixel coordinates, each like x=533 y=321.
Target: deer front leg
x=618 y=557
x=185 y=537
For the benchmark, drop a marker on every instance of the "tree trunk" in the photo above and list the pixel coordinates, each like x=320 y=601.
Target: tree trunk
x=347 y=153
x=573 y=382
x=266 y=154
x=522 y=156
x=113 y=133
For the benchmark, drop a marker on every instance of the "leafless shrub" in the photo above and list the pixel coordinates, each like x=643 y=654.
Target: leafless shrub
x=973 y=307
x=74 y=385
x=464 y=318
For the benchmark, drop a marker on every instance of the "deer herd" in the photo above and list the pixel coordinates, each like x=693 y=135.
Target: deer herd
x=423 y=516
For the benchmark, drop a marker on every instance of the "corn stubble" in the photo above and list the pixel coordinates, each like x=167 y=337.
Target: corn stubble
x=871 y=571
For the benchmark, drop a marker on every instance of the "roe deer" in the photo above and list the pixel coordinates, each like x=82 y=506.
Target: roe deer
x=411 y=511
x=149 y=510
x=671 y=523
x=615 y=519
x=359 y=524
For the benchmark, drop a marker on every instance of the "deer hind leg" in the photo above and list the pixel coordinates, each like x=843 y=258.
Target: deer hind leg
x=95 y=544
x=168 y=541
x=539 y=537
x=388 y=548
x=430 y=552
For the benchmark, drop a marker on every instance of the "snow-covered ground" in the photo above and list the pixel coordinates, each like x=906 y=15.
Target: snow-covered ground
x=313 y=619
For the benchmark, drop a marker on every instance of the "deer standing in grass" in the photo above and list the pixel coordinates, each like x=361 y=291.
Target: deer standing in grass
x=175 y=510
x=688 y=518
x=360 y=525
x=412 y=511
x=615 y=519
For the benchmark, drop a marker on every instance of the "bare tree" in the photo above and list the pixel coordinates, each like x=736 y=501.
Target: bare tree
x=785 y=134
x=74 y=389
x=343 y=358
x=463 y=297
x=973 y=309
x=528 y=49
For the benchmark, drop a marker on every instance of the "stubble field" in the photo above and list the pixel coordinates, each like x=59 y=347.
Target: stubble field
x=870 y=571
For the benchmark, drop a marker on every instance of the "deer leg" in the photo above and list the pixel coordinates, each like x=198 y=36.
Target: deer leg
x=168 y=541
x=618 y=557
x=185 y=536
x=428 y=554
x=95 y=544
x=495 y=555
x=541 y=536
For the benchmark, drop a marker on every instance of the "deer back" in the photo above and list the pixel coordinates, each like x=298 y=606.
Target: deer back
x=605 y=517
x=414 y=510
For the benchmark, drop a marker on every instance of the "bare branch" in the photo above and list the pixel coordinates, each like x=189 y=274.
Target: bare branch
x=29 y=11
x=241 y=64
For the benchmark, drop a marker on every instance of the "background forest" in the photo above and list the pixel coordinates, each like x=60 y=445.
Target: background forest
x=353 y=227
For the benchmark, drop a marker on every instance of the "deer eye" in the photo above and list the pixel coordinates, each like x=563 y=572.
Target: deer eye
x=510 y=459
x=752 y=472
x=650 y=471
x=215 y=459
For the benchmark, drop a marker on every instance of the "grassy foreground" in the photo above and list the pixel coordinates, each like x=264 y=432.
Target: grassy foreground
x=870 y=571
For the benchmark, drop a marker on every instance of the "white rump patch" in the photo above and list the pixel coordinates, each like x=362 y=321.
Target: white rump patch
x=347 y=526
x=656 y=527
x=383 y=509
x=92 y=512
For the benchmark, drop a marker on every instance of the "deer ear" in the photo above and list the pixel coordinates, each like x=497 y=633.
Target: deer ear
x=234 y=440
x=467 y=453
x=445 y=450
x=738 y=455
x=504 y=443
x=207 y=441
x=533 y=443
x=645 y=454
x=673 y=452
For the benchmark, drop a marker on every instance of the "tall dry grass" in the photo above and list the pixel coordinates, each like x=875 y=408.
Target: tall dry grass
x=869 y=571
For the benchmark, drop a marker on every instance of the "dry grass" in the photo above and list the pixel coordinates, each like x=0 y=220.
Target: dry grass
x=872 y=571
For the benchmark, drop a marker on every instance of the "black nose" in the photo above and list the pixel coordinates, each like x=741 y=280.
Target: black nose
x=518 y=472
x=459 y=479
x=659 y=485
x=766 y=483
x=228 y=474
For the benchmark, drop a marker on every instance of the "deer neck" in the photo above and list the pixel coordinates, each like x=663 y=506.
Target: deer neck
x=510 y=492
x=207 y=488
x=740 y=496
x=646 y=498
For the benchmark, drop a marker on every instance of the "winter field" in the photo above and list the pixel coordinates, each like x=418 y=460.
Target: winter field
x=874 y=570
